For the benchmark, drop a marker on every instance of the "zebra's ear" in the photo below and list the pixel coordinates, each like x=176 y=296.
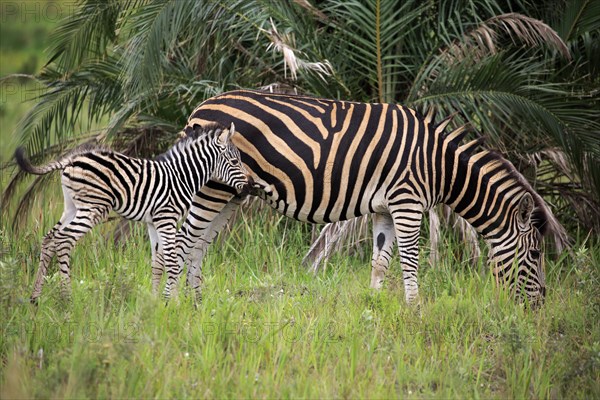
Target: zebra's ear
x=226 y=135
x=525 y=211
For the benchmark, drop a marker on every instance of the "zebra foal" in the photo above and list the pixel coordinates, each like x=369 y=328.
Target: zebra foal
x=158 y=192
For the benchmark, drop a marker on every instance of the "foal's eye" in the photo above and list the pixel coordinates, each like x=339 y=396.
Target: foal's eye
x=235 y=161
x=535 y=254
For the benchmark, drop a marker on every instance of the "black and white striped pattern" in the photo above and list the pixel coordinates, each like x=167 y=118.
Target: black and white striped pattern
x=158 y=192
x=323 y=160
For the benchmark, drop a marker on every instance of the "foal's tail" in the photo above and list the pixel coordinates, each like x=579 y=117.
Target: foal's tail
x=26 y=165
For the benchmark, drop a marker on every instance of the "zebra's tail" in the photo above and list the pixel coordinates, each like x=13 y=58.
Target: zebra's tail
x=26 y=165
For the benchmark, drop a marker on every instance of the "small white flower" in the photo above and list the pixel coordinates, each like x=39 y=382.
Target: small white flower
x=186 y=354
x=367 y=315
x=81 y=282
x=227 y=291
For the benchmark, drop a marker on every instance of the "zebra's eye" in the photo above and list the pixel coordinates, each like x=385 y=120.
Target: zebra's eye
x=235 y=161
x=535 y=254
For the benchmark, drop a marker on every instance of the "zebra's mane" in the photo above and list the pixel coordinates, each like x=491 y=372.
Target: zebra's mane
x=190 y=134
x=542 y=217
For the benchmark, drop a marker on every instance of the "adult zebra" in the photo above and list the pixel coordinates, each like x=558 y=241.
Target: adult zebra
x=158 y=192
x=325 y=160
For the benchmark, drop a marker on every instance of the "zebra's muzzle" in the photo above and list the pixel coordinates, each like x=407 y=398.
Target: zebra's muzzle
x=247 y=187
x=537 y=301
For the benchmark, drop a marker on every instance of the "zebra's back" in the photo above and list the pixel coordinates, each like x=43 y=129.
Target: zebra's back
x=326 y=160
x=130 y=186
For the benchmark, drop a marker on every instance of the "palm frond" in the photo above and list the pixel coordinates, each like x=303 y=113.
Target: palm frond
x=154 y=34
x=86 y=33
x=373 y=32
x=522 y=105
x=27 y=199
x=284 y=43
x=434 y=237
x=352 y=233
x=59 y=108
x=484 y=39
x=578 y=17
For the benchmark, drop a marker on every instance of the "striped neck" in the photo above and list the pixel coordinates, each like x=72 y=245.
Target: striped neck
x=193 y=161
x=482 y=188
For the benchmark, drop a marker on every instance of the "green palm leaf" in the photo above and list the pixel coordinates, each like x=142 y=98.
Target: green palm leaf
x=135 y=69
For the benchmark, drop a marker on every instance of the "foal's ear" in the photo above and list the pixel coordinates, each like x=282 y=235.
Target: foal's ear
x=525 y=210
x=226 y=135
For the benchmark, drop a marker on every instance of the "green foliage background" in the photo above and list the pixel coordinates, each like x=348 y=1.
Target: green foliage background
x=524 y=75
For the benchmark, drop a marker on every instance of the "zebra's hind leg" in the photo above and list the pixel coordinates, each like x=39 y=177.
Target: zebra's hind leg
x=49 y=245
x=158 y=261
x=68 y=235
x=384 y=237
x=407 y=224
x=47 y=253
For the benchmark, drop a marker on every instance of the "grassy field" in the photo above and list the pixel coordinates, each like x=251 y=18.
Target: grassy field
x=266 y=328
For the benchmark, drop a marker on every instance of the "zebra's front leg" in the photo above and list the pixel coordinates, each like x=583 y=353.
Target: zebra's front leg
x=194 y=279
x=167 y=233
x=158 y=262
x=182 y=254
x=383 y=242
x=407 y=224
x=210 y=212
x=191 y=247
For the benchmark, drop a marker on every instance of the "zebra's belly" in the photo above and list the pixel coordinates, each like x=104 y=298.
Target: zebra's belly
x=321 y=210
x=134 y=213
x=141 y=206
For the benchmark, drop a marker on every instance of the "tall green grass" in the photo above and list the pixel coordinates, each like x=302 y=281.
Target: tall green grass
x=266 y=328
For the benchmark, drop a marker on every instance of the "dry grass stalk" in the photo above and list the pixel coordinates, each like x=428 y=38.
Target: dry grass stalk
x=284 y=43
x=484 y=39
x=335 y=236
x=314 y=11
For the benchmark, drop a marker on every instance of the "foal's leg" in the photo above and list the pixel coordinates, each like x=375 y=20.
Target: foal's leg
x=49 y=246
x=158 y=261
x=67 y=236
x=48 y=251
x=211 y=208
x=167 y=232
